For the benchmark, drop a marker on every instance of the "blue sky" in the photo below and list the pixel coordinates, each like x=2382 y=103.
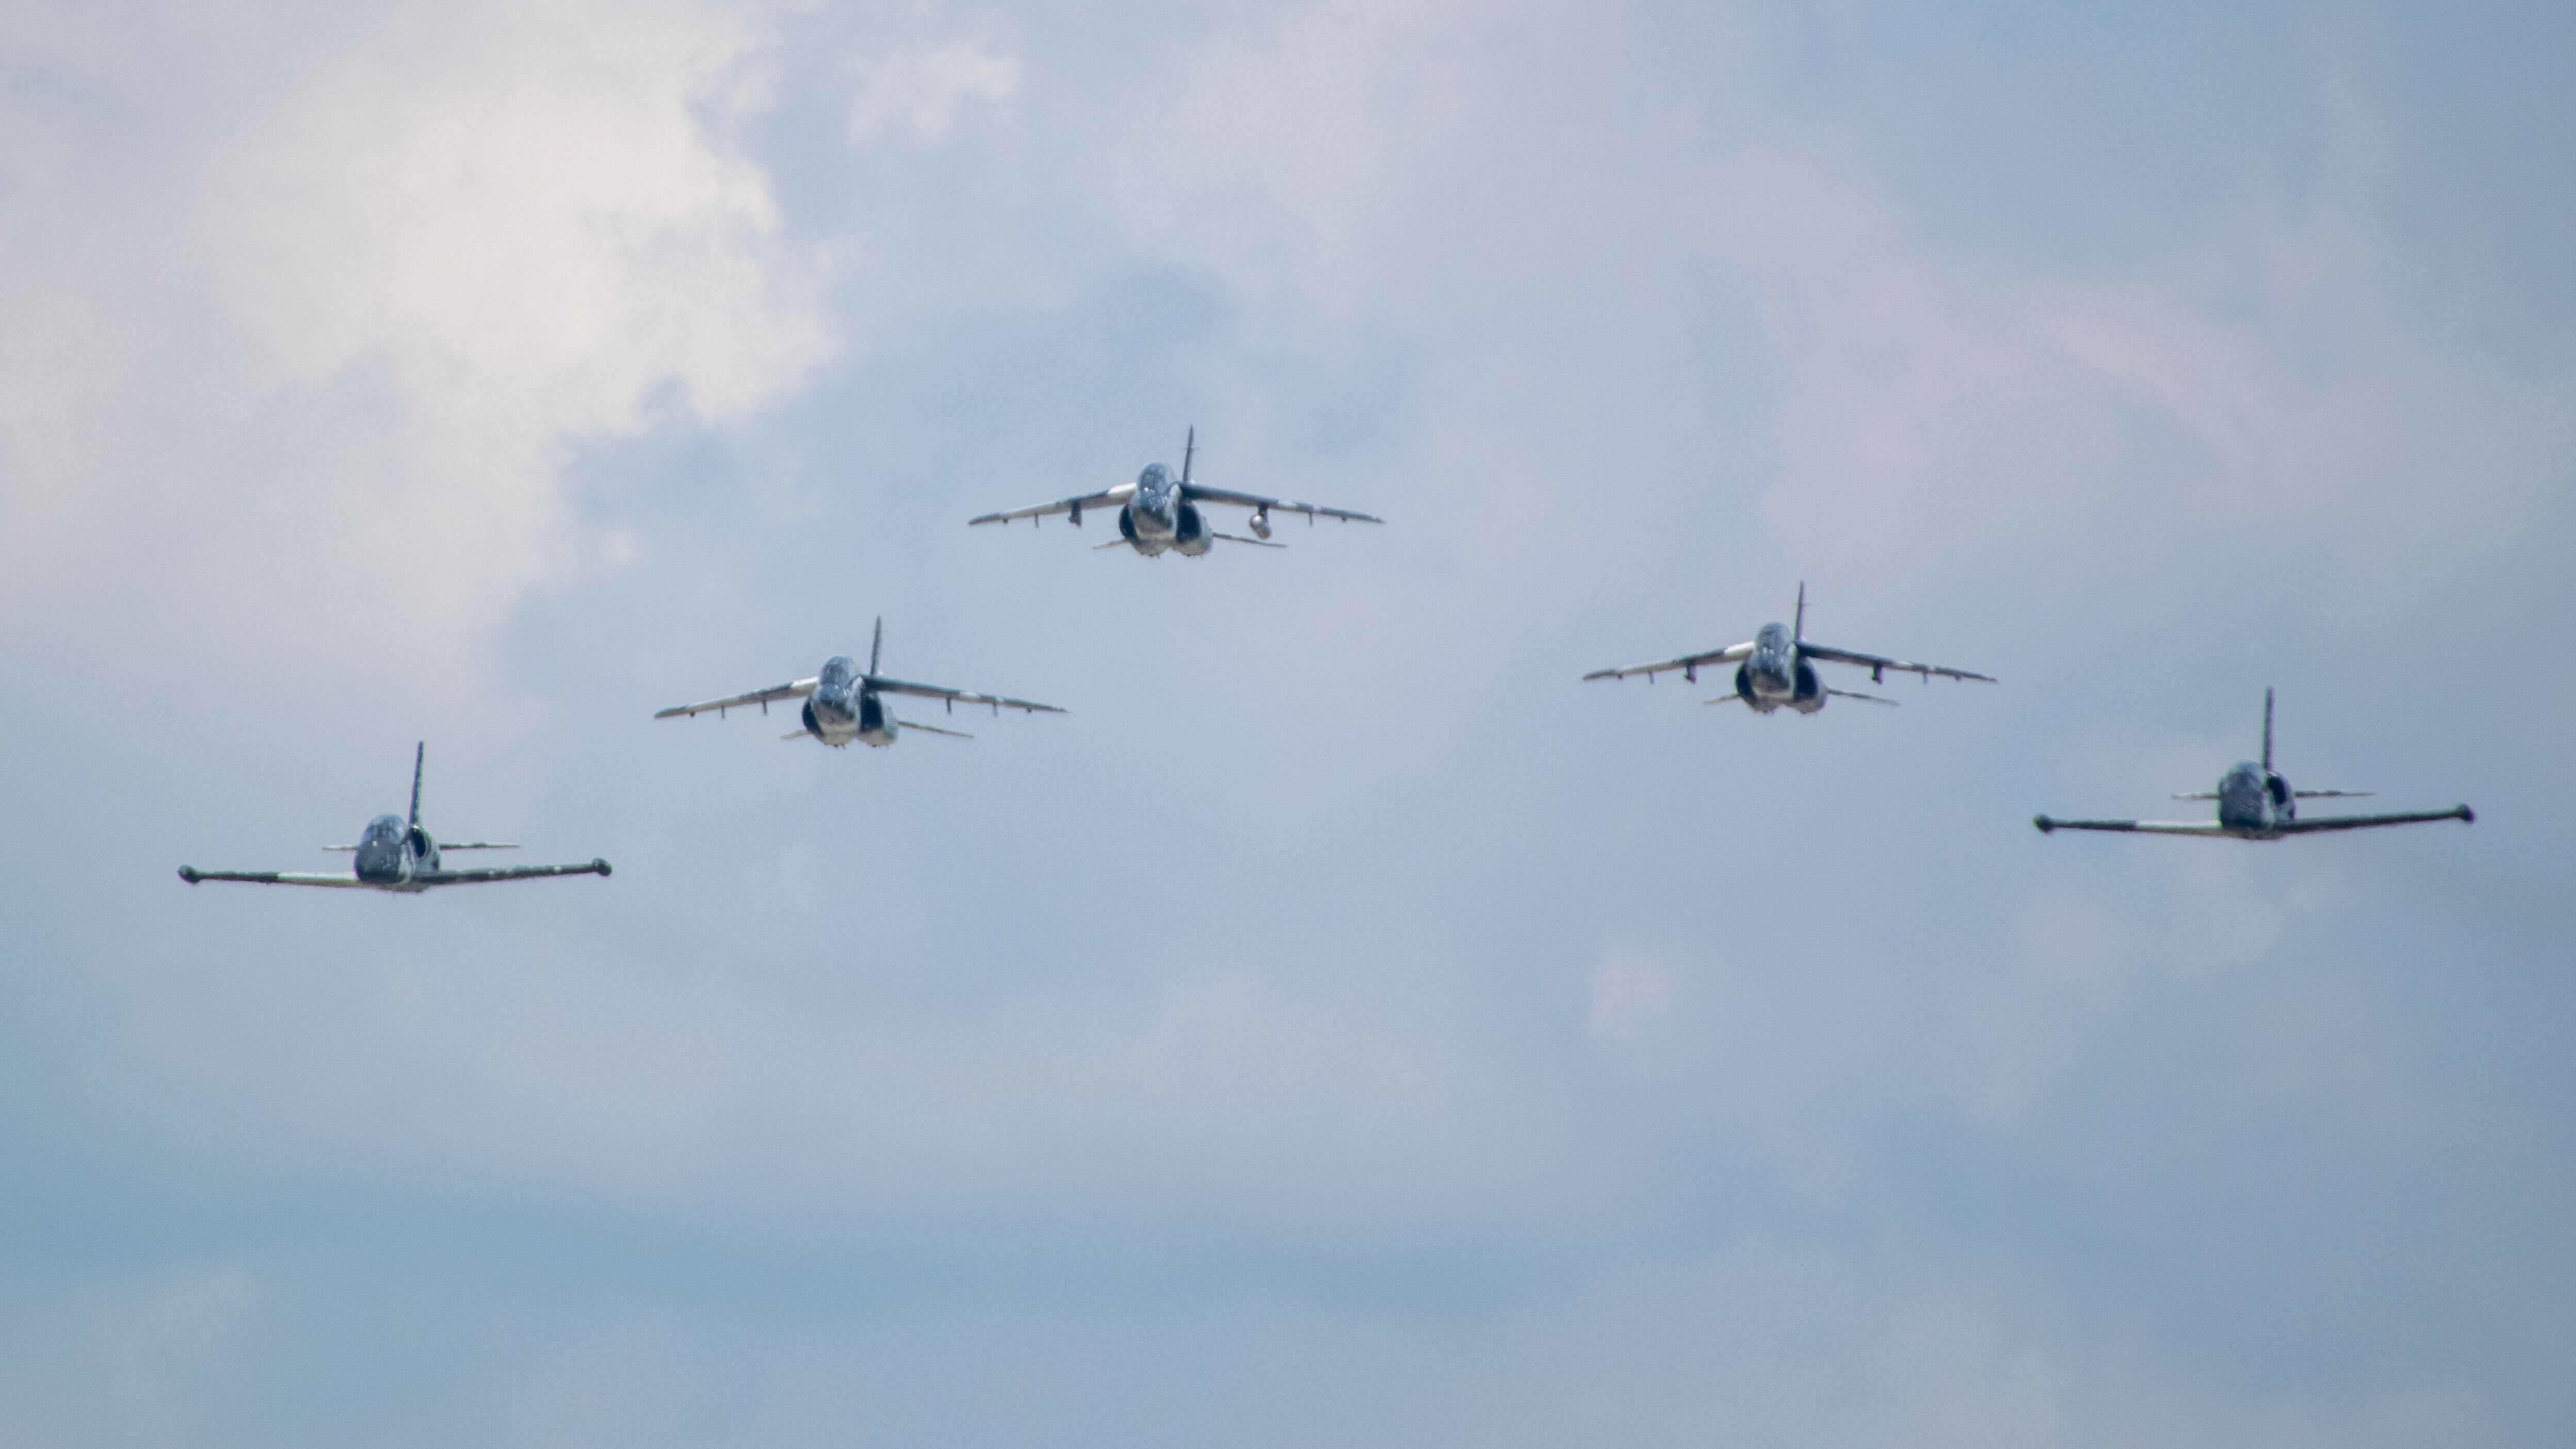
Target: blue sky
x=1343 y=1027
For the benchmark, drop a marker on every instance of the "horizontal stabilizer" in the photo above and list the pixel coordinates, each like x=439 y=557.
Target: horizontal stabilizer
x=2330 y=794
x=933 y=730
x=1255 y=542
x=474 y=845
x=801 y=735
x=1725 y=699
x=2199 y=795
x=1874 y=699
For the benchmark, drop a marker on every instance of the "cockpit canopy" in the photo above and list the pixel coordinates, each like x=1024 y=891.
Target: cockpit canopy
x=384 y=827
x=1772 y=636
x=838 y=671
x=1155 y=476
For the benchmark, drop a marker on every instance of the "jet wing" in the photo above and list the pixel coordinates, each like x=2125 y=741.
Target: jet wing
x=2461 y=813
x=775 y=692
x=1107 y=498
x=1198 y=494
x=1689 y=663
x=192 y=875
x=507 y=872
x=956 y=696
x=2143 y=827
x=1878 y=665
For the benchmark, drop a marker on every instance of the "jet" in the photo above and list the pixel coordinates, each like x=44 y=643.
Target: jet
x=1159 y=513
x=400 y=855
x=2254 y=803
x=842 y=704
x=1772 y=669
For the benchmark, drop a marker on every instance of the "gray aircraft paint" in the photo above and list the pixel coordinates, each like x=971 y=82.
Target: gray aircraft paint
x=2255 y=802
x=1774 y=668
x=844 y=704
x=401 y=855
x=1160 y=514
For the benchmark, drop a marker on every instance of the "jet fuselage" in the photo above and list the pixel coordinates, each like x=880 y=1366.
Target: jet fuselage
x=842 y=707
x=1773 y=675
x=1158 y=518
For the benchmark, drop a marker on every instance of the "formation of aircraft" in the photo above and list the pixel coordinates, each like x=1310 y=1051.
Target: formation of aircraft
x=1772 y=670
x=395 y=854
x=842 y=704
x=2256 y=803
x=1159 y=513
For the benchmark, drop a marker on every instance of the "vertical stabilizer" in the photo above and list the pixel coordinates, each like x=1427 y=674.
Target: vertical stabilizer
x=878 y=647
x=419 y=755
x=2267 y=729
x=1189 y=450
x=1798 y=628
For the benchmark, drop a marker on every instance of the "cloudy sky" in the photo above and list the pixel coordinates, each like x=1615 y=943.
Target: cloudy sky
x=1343 y=1027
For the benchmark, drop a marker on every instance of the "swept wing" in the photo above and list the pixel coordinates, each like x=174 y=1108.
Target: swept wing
x=1200 y=493
x=1689 y=664
x=1106 y=498
x=774 y=693
x=1878 y=664
x=953 y=697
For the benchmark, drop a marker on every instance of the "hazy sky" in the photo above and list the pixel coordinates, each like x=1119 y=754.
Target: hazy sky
x=1343 y=1028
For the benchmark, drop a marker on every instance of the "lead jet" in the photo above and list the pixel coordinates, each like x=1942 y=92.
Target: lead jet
x=400 y=855
x=842 y=704
x=1158 y=512
x=2254 y=803
x=1772 y=669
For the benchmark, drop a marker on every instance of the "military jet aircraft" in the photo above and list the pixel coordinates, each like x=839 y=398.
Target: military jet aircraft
x=1771 y=670
x=400 y=855
x=842 y=704
x=2256 y=804
x=1158 y=512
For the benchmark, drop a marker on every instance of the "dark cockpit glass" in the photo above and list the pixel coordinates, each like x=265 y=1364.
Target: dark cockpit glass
x=1154 y=476
x=838 y=670
x=385 y=827
x=1772 y=636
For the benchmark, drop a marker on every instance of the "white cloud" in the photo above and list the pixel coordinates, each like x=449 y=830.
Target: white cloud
x=337 y=327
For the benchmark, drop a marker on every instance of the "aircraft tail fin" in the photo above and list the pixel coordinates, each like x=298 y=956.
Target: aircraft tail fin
x=2267 y=729
x=419 y=756
x=1189 y=450
x=1798 y=629
x=877 y=647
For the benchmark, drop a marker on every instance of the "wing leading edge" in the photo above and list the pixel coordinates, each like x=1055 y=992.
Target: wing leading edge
x=2461 y=813
x=1106 y=498
x=508 y=872
x=1689 y=664
x=771 y=695
x=998 y=702
x=192 y=875
x=1878 y=665
x=1199 y=493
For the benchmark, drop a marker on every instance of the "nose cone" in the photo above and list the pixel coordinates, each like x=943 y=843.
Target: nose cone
x=380 y=860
